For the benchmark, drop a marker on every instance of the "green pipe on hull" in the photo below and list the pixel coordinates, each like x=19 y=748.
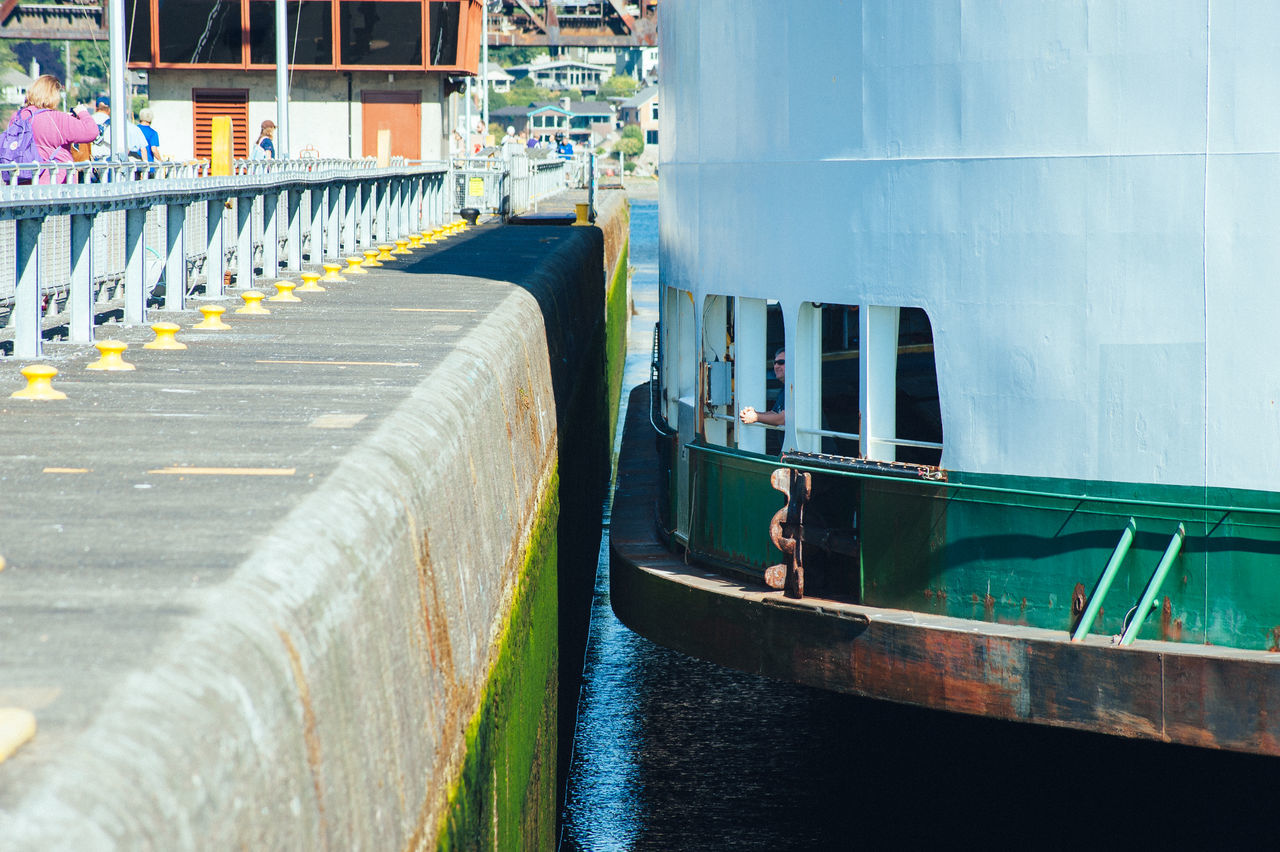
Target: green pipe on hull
x=1090 y=613
x=1148 y=601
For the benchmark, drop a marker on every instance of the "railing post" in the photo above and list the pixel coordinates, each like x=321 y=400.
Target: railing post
x=175 y=260
x=27 y=297
x=316 y=255
x=135 y=268
x=294 y=197
x=380 y=193
x=215 y=257
x=349 y=218
x=366 y=214
x=332 y=243
x=271 y=234
x=244 y=242
x=80 y=302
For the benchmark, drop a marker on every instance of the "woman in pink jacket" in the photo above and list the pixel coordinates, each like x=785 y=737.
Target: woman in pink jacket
x=54 y=131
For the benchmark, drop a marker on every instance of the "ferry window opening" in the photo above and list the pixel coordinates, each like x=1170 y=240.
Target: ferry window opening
x=919 y=412
x=719 y=417
x=839 y=381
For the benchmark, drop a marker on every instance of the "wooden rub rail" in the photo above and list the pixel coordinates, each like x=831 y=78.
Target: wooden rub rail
x=327 y=209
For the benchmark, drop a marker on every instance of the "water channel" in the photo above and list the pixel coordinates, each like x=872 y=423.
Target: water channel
x=672 y=753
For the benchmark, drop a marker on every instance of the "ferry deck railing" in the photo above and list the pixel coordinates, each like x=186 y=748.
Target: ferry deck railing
x=70 y=254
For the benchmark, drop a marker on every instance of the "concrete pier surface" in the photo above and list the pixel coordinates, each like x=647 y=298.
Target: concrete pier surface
x=296 y=586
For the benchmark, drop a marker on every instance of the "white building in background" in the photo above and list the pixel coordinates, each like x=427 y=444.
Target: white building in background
x=564 y=74
x=13 y=86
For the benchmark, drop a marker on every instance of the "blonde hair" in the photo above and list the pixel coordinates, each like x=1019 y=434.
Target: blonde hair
x=45 y=92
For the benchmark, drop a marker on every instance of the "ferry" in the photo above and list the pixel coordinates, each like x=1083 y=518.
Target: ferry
x=965 y=385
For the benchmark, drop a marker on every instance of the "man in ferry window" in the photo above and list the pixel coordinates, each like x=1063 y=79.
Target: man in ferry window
x=776 y=415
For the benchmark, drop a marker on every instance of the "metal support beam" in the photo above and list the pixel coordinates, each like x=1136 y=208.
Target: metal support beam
x=349 y=207
x=1104 y=582
x=316 y=254
x=333 y=232
x=215 y=256
x=27 y=299
x=1148 y=601
x=175 y=259
x=135 y=267
x=294 y=200
x=244 y=242
x=271 y=235
x=80 y=302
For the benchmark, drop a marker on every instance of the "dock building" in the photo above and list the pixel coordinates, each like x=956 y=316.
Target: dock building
x=356 y=67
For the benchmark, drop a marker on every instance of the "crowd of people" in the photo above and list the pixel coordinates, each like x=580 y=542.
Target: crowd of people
x=40 y=131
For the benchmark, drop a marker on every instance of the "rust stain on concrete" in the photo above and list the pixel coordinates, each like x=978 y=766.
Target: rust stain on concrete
x=309 y=734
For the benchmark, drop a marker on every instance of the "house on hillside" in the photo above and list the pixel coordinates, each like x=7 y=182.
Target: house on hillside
x=564 y=74
x=357 y=67
x=585 y=123
x=497 y=77
x=13 y=86
x=642 y=109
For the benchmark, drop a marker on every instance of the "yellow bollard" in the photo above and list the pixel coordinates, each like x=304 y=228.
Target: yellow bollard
x=212 y=318
x=415 y=241
x=309 y=284
x=111 y=360
x=428 y=237
x=166 y=337
x=284 y=292
x=584 y=213
x=371 y=258
x=253 y=303
x=331 y=271
x=353 y=266
x=17 y=726
x=402 y=247
x=39 y=383
x=384 y=252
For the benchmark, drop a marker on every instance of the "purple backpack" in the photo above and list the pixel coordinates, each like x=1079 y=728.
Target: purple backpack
x=18 y=144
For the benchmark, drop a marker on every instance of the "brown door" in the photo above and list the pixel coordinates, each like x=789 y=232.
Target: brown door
x=208 y=103
x=399 y=112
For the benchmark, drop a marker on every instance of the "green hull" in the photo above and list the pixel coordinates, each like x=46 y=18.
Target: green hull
x=1011 y=550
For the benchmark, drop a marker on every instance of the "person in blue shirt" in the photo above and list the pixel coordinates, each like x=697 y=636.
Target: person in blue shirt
x=564 y=148
x=152 y=151
x=265 y=148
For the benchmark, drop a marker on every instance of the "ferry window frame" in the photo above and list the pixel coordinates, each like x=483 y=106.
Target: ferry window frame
x=467 y=53
x=759 y=332
x=716 y=359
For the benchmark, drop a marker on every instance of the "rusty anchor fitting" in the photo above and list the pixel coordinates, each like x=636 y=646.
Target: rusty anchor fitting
x=110 y=359
x=786 y=529
x=354 y=267
x=212 y=318
x=402 y=247
x=166 y=337
x=371 y=258
x=39 y=383
x=384 y=252
x=284 y=292
x=309 y=284
x=253 y=303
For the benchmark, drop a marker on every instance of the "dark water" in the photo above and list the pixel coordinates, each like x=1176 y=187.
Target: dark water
x=672 y=753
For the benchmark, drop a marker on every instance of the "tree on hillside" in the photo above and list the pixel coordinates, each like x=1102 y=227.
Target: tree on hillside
x=506 y=55
x=632 y=142
x=619 y=86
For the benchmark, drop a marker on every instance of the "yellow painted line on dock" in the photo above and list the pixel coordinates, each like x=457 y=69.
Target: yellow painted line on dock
x=66 y=470
x=16 y=727
x=436 y=310
x=336 y=421
x=349 y=363
x=227 y=471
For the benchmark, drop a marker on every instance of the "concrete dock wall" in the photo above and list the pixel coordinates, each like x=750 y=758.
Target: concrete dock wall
x=383 y=671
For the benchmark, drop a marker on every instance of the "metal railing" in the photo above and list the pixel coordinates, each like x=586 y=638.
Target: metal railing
x=67 y=256
x=507 y=180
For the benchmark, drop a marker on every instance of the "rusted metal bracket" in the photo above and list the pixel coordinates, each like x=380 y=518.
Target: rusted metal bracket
x=786 y=529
